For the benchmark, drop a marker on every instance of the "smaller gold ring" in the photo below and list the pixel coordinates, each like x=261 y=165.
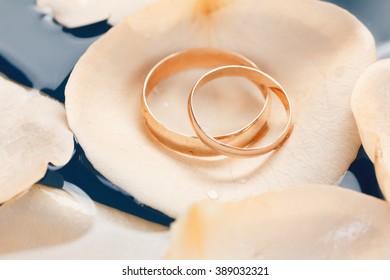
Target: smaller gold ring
x=260 y=79
x=198 y=58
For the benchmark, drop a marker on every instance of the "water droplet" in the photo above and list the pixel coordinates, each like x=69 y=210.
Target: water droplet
x=383 y=50
x=147 y=35
x=166 y=104
x=213 y=195
x=137 y=201
x=34 y=92
x=47 y=18
x=137 y=146
x=44 y=10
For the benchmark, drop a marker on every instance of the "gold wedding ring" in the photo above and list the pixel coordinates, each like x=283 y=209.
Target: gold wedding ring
x=202 y=58
x=261 y=80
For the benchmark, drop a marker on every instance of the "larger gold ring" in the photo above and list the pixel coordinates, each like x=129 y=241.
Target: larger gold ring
x=198 y=58
x=260 y=79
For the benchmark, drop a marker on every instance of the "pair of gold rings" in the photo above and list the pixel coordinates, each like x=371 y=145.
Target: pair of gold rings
x=223 y=64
